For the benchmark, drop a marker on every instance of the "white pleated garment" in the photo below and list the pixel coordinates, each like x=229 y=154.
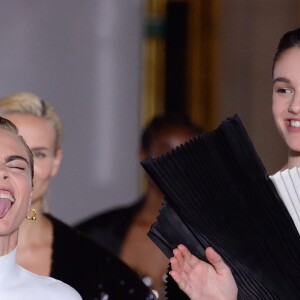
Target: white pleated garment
x=287 y=183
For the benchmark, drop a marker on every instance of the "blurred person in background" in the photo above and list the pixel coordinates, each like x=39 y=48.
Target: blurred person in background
x=124 y=230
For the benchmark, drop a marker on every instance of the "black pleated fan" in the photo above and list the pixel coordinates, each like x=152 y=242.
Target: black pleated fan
x=218 y=193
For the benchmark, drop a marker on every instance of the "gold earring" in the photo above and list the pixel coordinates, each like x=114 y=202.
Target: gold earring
x=33 y=216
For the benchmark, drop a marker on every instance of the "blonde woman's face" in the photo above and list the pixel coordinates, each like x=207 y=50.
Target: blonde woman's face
x=40 y=136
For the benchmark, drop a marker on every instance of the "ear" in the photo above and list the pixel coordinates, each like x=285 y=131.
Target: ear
x=30 y=200
x=57 y=161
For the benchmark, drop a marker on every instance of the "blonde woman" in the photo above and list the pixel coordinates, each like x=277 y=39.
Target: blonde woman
x=46 y=245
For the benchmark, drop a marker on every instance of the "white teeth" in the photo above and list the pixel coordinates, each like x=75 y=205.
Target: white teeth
x=295 y=123
x=7 y=196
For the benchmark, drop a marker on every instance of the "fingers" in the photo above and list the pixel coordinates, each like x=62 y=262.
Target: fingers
x=177 y=278
x=187 y=256
x=180 y=261
x=175 y=265
x=216 y=260
x=185 y=260
x=177 y=269
x=178 y=275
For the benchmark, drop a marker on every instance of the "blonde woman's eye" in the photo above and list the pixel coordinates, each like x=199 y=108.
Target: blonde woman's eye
x=39 y=155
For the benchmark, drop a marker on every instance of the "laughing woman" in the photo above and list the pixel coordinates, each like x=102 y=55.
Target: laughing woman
x=16 y=178
x=47 y=246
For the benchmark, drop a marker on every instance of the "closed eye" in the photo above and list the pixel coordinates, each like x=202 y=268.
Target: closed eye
x=17 y=162
x=17 y=167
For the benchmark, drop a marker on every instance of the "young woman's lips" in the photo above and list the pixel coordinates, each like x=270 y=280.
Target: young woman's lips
x=293 y=124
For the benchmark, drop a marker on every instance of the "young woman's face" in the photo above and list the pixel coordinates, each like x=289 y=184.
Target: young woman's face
x=39 y=135
x=15 y=182
x=286 y=97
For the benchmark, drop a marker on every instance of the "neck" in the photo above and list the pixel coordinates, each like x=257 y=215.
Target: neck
x=293 y=159
x=8 y=243
x=153 y=202
x=34 y=232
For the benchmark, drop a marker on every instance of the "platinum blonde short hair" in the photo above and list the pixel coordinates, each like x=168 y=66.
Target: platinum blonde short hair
x=29 y=103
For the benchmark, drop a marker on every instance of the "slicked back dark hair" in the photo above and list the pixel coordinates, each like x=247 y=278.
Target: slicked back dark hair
x=164 y=122
x=289 y=40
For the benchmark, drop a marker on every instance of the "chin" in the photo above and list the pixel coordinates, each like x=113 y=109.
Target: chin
x=294 y=151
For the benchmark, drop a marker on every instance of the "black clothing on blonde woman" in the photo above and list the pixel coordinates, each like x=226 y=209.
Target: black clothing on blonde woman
x=92 y=270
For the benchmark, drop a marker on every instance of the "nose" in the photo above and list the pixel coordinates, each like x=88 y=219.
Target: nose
x=3 y=174
x=295 y=104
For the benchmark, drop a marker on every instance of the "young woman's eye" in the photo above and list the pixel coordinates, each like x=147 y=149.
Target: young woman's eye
x=284 y=91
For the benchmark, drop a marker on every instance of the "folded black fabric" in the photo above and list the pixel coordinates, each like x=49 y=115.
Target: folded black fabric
x=218 y=189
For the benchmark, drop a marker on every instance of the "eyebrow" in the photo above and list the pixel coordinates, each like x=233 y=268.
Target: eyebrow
x=281 y=79
x=15 y=157
x=39 y=148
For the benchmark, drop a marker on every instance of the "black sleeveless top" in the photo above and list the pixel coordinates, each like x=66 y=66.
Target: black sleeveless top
x=92 y=270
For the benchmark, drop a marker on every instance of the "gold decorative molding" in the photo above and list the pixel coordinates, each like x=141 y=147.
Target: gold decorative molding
x=203 y=48
x=202 y=61
x=154 y=60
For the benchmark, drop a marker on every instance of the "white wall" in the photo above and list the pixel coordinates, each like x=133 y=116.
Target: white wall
x=84 y=57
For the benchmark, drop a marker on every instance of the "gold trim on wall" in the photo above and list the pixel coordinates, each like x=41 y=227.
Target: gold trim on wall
x=154 y=60
x=202 y=62
x=203 y=47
